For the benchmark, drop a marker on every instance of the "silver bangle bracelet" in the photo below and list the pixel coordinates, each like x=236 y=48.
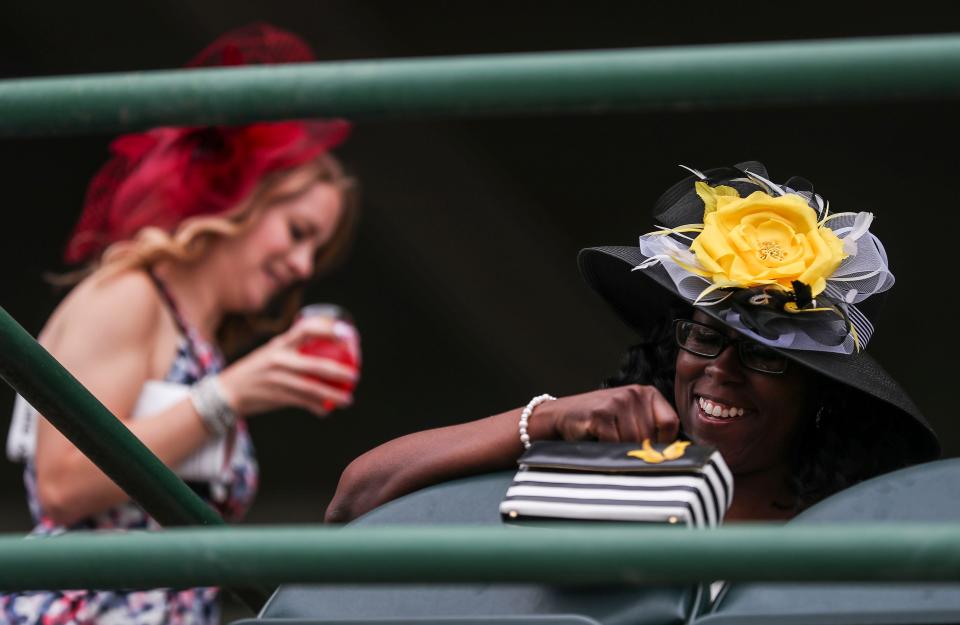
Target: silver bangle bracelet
x=210 y=402
x=525 y=417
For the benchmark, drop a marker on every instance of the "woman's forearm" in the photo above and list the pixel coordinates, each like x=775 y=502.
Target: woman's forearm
x=71 y=487
x=418 y=460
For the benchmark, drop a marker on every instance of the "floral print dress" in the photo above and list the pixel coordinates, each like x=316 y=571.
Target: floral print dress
x=231 y=497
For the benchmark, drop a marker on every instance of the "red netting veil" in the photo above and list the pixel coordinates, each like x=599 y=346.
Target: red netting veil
x=165 y=175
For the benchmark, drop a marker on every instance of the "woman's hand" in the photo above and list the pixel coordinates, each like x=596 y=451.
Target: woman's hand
x=622 y=414
x=276 y=375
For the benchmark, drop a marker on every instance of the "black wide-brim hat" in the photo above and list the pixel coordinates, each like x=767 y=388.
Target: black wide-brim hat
x=642 y=298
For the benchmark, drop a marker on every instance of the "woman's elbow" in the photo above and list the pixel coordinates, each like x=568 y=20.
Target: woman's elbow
x=357 y=492
x=65 y=497
x=57 y=502
x=337 y=512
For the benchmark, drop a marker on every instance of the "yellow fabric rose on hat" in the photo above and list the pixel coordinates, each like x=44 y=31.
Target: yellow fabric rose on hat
x=761 y=239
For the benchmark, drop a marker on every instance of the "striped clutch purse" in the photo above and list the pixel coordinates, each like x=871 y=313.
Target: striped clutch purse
x=678 y=483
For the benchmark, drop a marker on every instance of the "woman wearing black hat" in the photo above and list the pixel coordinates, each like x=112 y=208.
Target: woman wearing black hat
x=754 y=304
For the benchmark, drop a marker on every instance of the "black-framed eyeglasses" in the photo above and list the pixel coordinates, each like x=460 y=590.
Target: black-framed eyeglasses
x=702 y=340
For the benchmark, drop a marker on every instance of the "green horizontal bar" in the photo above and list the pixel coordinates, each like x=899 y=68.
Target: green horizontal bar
x=72 y=409
x=593 y=555
x=583 y=82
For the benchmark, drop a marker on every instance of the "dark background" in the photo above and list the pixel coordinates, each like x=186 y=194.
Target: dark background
x=463 y=279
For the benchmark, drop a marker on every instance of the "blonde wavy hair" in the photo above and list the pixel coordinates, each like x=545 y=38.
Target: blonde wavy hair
x=194 y=236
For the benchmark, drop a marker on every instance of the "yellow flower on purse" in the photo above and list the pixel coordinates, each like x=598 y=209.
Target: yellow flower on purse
x=763 y=240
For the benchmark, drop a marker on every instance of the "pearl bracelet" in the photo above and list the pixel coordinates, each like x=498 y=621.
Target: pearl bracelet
x=210 y=402
x=525 y=417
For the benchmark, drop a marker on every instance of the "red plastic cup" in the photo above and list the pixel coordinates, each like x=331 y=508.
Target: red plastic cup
x=343 y=348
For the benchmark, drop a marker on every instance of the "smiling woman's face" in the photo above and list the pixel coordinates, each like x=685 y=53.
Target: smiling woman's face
x=763 y=411
x=279 y=250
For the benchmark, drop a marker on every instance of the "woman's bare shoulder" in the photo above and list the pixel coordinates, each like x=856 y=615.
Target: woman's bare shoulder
x=107 y=310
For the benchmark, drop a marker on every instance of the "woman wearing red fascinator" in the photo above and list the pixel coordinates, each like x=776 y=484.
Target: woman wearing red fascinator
x=189 y=235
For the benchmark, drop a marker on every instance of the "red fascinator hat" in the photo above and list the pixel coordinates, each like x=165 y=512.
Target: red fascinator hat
x=165 y=175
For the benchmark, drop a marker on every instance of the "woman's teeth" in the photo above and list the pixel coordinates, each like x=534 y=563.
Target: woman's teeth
x=716 y=409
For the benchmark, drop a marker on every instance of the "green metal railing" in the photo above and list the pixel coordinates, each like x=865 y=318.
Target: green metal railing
x=71 y=408
x=756 y=74
x=587 y=82
x=602 y=555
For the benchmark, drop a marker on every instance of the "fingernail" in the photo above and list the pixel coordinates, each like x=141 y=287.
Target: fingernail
x=342 y=330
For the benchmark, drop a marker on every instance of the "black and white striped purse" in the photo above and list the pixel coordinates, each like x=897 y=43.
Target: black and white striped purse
x=589 y=481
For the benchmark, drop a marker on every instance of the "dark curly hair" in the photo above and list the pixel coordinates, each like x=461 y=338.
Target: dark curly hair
x=849 y=438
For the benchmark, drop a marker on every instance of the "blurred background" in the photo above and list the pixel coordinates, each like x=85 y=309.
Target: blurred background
x=463 y=279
